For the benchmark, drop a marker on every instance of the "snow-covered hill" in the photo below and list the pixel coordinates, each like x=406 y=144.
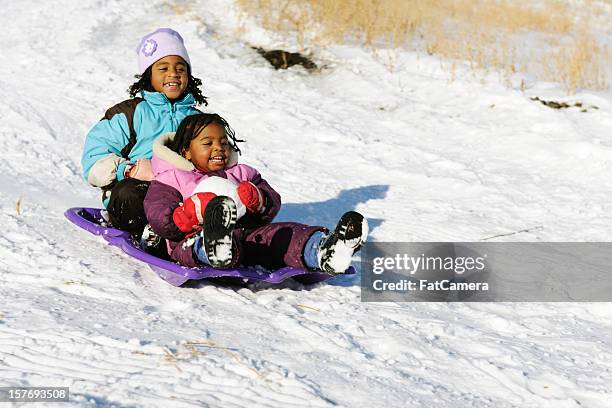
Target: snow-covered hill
x=424 y=157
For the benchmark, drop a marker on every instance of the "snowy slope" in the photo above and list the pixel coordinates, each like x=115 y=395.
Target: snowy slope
x=424 y=157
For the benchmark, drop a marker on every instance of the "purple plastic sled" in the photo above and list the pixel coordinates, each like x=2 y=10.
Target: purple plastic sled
x=91 y=220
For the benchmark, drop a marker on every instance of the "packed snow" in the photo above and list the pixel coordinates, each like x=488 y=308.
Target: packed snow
x=422 y=156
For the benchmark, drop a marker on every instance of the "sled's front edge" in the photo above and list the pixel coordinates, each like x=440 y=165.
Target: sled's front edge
x=90 y=220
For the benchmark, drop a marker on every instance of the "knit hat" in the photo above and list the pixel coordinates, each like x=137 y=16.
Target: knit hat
x=159 y=44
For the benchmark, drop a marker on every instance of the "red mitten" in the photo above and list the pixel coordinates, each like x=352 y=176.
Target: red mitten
x=251 y=197
x=189 y=216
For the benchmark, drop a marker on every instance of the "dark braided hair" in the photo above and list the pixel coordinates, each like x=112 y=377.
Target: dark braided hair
x=193 y=124
x=193 y=86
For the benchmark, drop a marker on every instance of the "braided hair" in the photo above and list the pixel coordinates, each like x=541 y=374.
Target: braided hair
x=193 y=124
x=144 y=84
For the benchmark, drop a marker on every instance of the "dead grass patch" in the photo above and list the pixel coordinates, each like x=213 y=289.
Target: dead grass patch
x=550 y=40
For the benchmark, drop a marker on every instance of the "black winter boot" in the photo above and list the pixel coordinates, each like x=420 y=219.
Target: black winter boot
x=336 y=251
x=219 y=221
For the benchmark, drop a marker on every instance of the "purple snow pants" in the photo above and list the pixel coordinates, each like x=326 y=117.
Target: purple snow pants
x=272 y=246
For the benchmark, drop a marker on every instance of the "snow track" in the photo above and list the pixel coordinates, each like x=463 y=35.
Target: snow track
x=424 y=158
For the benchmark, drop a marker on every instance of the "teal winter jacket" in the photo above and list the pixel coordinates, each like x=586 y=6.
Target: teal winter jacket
x=126 y=133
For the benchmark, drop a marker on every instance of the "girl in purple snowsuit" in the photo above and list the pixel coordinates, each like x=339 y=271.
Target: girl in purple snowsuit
x=202 y=228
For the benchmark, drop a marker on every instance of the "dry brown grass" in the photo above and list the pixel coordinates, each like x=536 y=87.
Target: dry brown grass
x=580 y=64
x=178 y=8
x=489 y=35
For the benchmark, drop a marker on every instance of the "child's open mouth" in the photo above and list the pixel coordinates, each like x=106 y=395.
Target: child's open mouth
x=172 y=86
x=217 y=159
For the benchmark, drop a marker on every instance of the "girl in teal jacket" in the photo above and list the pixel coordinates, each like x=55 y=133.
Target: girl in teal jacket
x=117 y=152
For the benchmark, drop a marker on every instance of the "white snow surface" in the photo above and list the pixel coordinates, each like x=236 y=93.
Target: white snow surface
x=424 y=157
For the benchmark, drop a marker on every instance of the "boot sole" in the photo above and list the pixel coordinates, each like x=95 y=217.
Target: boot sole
x=219 y=220
x=349 y=228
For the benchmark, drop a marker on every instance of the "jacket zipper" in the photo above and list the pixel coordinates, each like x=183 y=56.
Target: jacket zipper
x=174 y=123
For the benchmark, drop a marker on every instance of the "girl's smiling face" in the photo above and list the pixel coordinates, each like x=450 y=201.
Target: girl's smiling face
x=210 y=150
x=169 y=76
